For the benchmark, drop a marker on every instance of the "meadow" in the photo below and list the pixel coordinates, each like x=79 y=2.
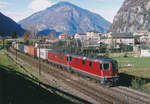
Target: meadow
x=135 y=72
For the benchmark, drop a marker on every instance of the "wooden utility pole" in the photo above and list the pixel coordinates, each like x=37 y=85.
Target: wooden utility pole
x=3 y=42
x=16 y=50
x=39 y=61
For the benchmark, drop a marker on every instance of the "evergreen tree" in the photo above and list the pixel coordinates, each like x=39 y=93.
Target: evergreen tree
x=14 y=35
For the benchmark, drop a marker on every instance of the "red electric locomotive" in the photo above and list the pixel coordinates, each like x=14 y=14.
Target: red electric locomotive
x=102 y=69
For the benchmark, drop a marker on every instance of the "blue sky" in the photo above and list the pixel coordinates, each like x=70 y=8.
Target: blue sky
x=19 y=9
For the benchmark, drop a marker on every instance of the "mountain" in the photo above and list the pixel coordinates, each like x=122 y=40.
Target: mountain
x=133 y=15
x=47 y=32
x=7 y=26
x=66 y=18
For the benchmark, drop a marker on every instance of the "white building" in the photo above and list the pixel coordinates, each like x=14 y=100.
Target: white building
x=141 y=32
x=63 y=36
x=82 y=37
x=145 y=53
x=90 y=39
x=114 y=39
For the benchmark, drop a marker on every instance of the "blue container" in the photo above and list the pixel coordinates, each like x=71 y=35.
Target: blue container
x=21 y=47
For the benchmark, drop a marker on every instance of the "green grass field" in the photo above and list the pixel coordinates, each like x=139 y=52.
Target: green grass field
x=134 y=66
x=135 y=62
x=5 y=61
x=135 y=69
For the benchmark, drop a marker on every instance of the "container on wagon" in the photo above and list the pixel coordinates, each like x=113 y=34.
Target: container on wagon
x=32 y=51
x=43 y=53
x=20 y=47
x=13 y=44
x=26 y=49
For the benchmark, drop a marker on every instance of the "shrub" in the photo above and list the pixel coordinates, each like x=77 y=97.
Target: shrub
x=137 y=83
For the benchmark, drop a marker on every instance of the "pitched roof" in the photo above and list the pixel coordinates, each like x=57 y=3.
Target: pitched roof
x=121 y=35
x=63 y=35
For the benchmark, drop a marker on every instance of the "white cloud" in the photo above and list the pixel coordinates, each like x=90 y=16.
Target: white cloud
x=38 y=5
x=34 y=6
x=17 y=16
x=107 y=14
x=3 y=5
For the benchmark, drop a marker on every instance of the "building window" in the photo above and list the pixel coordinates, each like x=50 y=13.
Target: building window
x=90 y=64
x=83 y=62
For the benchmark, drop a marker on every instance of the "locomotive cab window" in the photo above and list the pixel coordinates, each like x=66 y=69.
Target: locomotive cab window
x=61 y=57
x=104 y=66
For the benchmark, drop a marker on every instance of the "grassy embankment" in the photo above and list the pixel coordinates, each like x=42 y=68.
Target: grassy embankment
x=18 y=88
x=136 y=71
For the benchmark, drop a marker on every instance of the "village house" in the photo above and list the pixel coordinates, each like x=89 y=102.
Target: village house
x=63 y=36
x=115 y=39
x=89 y=39
x=81 y=37
x=144 y=39
x=141 y=33
x=142 y=36
x=93 y=35
x=145 y=53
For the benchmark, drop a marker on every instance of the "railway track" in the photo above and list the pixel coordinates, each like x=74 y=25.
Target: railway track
x=101 y=99
x=137 y=95
x=96 y=91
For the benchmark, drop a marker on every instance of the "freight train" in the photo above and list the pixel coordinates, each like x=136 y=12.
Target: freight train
x=104 y=70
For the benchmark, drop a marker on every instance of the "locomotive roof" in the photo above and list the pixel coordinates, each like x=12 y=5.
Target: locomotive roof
x=95 y=58
x=86 y=57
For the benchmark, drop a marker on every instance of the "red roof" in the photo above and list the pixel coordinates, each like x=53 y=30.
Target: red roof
x=63 y=34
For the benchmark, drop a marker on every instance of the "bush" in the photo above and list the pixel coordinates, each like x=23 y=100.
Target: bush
x=107 y=53
x=126 y=48
x=137 y=83
x=126 y=55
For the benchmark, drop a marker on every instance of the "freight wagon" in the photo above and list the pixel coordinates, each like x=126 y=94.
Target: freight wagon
x=43 y=53
x=20 y=47
x=32 y=51
x=26 y=49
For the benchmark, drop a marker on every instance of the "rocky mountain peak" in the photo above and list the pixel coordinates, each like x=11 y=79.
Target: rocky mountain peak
x=133 y=15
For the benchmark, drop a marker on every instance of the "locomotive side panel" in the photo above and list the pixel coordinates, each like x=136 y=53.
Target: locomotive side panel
x=86 y=66
x=58 y=58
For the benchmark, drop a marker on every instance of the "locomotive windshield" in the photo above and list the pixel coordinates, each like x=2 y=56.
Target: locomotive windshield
x=105 y=66
x=114 y=65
